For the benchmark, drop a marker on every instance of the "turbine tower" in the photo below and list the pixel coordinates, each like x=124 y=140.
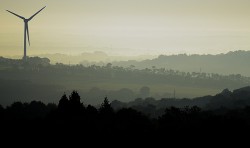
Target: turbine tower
x=26 y=29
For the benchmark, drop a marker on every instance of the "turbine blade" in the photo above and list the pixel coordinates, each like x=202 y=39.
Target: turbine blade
x=27 y=30
x=36 y=13
x=16 y=14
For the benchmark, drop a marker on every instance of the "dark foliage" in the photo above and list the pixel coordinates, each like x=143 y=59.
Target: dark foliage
x=71 y=118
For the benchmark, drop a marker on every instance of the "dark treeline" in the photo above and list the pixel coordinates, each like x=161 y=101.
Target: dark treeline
x=36 y=67
x=72 y=117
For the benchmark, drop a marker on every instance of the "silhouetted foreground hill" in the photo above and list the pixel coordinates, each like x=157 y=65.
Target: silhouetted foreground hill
x=73 y=120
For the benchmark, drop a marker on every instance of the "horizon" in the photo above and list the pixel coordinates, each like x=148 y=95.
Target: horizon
x=101 y=57
x=127 y=28
x=117 y=55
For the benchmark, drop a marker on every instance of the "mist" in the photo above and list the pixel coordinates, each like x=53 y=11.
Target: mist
x=124 y=71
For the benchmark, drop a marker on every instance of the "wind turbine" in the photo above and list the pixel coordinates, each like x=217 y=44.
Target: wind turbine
x=26 y=28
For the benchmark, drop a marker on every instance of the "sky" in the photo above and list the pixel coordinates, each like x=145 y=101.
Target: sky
x=131 y=27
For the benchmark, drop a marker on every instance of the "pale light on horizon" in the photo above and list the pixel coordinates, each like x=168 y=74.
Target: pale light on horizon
x=135 y=27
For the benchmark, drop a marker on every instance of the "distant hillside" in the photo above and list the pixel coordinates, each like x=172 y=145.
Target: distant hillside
x=239 y=98
x=37 y=78
x=236 y=62
x=89 y=58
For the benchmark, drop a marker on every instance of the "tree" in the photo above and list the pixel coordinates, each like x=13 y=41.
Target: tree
x=63 y=103
x=1 y=110
x=75 y=104
x=106 y=107
x=37 y=109
x=91 y=110
x=74 y=98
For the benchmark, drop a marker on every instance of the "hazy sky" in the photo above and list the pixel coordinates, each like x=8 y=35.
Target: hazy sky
x=126 y=27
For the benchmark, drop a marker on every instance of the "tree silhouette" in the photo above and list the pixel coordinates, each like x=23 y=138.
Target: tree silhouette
x=107 y=116
x=72 y=118
x=74 y=98
x=91 y=116
x=132 y=121
x=37 y=109
x=63 y=105
x=1 y=111
x=91 y=110
x=71 y=106
x=106 y=107
x=75 y=105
